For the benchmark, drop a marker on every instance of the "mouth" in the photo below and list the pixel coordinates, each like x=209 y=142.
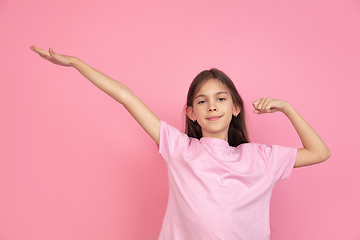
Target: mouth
x=215 y=118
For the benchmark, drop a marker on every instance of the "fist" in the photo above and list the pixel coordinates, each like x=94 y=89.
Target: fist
x=269 y=105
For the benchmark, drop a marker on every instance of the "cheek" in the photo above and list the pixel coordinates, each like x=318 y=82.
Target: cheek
x=197 y=111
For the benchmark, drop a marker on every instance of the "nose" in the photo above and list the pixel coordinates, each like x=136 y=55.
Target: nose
x=212 y=108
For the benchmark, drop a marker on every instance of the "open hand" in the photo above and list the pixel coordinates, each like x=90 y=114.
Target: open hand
x=269 y=105
x=53 y=57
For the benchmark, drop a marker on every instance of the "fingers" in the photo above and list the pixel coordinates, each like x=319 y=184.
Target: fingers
x=264 y=105
x=34 y=48
x=58 y=59
x=42 y=53
x=51 y=52
x=47 y=55
x=38 y=50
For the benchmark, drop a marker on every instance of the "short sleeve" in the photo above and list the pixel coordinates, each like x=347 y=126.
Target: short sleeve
x=170 y=140
x=281 y=160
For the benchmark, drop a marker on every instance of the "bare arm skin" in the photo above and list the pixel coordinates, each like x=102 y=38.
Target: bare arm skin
x=121 y=93
x=314 y=149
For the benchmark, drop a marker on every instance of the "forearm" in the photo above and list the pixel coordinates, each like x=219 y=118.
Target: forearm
x=121 y=93
x=315 y=149
x=113 y=88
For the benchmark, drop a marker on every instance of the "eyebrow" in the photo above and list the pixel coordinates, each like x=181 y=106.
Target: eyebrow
x=202 y=95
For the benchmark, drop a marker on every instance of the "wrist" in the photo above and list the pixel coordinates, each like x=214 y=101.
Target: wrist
x=74 y=62
x=288 y=110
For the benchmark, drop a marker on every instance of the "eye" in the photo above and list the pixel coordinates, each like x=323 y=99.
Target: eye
x=201 y=102
x=221 y=99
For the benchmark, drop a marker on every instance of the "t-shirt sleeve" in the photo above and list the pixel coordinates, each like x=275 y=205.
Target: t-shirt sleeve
x=170 y=140
x=280 y=160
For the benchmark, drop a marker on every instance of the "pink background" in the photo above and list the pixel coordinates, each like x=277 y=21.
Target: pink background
x=75 y=165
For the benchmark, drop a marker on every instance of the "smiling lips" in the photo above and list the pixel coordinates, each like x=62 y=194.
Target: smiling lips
x=214 y=118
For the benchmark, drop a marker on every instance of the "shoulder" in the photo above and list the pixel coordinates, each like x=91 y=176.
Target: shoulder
x=166 y=130
x=278 y=159
x=263 y=150
x=172 y=140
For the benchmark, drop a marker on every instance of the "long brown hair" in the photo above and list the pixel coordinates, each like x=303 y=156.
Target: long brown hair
x=237 y=131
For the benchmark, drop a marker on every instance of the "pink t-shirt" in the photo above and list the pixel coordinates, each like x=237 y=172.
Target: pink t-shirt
x=217 y=191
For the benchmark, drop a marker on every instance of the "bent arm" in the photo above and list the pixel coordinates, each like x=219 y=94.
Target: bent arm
x=314 y=149
x=121 y=93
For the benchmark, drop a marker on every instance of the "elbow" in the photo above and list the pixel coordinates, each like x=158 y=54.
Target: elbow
x=328 y=155
x=321 y=156
x=306 y=157
x=325 y=155
x=124 y=95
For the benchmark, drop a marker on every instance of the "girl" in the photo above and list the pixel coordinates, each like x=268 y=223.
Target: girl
x=220 y=184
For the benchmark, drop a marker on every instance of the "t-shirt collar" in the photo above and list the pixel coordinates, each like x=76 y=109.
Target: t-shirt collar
x=214 y=141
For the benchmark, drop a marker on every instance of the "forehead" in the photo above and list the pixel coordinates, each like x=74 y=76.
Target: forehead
x=211 y=86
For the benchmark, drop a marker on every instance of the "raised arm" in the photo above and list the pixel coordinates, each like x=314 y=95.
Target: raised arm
x=314 y=149
x=121 y=93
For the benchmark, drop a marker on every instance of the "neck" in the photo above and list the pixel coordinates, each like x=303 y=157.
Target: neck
x=222 y=136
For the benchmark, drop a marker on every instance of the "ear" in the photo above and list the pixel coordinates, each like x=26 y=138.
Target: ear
x=190 y=113
x=236 y=110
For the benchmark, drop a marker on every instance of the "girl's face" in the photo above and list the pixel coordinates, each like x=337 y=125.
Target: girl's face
x=213 y=109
